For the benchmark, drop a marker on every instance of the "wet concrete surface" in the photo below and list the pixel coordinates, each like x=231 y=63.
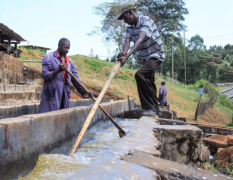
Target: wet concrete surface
x=136 y=156
x=170 y=170
x=58 y=166
x=109 y=166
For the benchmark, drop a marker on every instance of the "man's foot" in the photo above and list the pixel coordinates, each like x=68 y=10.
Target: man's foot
x=148 y=112
x=157 y=111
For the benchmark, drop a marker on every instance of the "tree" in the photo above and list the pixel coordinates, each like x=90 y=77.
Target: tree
x=196 y=43
x=111 y=30
x=168 y=15
x=97 y=57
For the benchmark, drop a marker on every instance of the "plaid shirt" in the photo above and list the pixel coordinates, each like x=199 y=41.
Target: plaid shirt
x=152 y=46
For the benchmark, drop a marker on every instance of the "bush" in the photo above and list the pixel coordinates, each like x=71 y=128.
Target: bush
x=201 y=83
x=224 y=101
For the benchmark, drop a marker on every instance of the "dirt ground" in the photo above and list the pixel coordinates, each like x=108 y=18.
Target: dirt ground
x=223 y=161
x=74 y=96
x=213 y=117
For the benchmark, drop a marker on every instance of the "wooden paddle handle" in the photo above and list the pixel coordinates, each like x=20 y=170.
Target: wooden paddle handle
x=121 y=131
x=94 y=108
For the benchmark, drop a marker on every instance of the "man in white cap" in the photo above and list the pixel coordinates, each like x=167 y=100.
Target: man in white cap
x=148 y=43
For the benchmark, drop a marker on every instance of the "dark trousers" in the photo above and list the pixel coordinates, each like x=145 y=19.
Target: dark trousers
x=145 y=78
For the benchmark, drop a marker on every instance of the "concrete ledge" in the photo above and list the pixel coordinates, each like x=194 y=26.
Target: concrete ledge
x=19 y=95
x=208 y=129
x=13 y=87
x=134 y=156
x=181 y=143
x=20 y=110
x=168 y=169
x=22 y=137
x=164 y=121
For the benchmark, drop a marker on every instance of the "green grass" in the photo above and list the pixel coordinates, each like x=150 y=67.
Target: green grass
x=181 y=98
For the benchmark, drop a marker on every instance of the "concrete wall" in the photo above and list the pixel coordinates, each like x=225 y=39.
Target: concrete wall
x=11 y=69
x=20 y=110
x=26 y=136
x=13 y=87
x=18 y=95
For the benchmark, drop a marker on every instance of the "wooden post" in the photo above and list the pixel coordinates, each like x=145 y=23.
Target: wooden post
x=185 y=73
x=94 y=108
x=161 y=65
x=9 y=46
x=129 y=103
x=172 y=60
x=196 y=113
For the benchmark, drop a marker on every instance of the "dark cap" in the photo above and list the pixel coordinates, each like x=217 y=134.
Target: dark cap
x=163 y=82
x=126 y=7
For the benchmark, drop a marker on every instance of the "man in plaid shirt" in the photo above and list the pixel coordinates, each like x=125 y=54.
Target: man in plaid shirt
x=148 y=43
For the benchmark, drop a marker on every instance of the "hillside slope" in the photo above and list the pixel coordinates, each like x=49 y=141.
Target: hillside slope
x=182 y=99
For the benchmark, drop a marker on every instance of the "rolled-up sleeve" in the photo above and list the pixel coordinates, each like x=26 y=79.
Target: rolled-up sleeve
x=76 y=85
x=47 y=71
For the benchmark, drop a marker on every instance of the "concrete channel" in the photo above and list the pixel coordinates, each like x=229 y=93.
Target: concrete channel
x=23 y=138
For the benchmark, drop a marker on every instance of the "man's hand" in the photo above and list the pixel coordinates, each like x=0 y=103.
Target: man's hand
x=89 y=94
x=62 y=67
x=121 y=54
x=123 y=60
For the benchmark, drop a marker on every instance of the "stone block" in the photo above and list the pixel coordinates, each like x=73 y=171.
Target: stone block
x=20 y=87
x=230 y=141
x=165 y=114
x=29 y=95
x=1 y=87
x=180 y=143
x=220 y=149
x=170 y=122
x=9 y=88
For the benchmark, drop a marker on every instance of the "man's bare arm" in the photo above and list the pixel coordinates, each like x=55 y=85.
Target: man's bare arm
x=141 y=37
x=124 y=58
x=125 y=47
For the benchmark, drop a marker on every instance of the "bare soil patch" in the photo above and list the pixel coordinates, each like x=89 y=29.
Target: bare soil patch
x=223 y=161
x=214 y=117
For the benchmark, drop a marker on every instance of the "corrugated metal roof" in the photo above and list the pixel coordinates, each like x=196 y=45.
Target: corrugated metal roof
x=11 y=33
x=39 y=47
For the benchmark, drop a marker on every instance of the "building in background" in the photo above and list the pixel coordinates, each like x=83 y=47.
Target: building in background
x=9 y=41
x=37 y=48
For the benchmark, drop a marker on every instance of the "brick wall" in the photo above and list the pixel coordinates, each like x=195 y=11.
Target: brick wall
x=11 y=69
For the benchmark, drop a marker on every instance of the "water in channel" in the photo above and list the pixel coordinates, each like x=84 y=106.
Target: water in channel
x=60 y=166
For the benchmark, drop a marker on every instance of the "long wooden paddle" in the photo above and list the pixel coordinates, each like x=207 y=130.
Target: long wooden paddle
x=94 y=108
x=121 y=131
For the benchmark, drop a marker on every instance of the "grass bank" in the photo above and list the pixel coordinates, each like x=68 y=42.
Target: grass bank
x=182 y=99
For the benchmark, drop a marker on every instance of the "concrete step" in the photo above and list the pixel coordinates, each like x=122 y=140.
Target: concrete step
x=20 y=95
